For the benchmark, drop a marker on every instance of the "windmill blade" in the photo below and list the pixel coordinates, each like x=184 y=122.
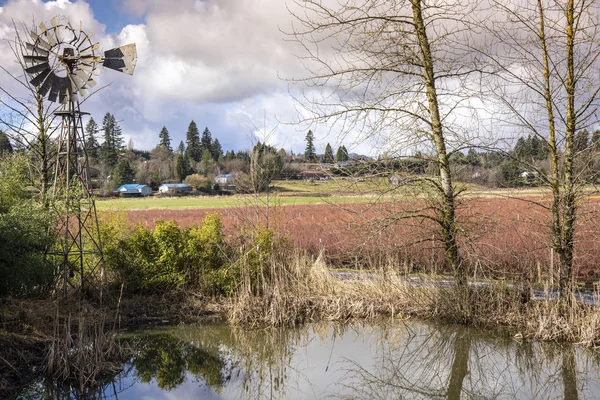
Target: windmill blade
x=36 y=49
x=37 y=68
x=47 y=84
x=84 y=76
x=41 y=77
x=54 y=89
x=84 y=92
x=55 y=25
x=89 y=69
x=89 y=49
x=39 y=41
x=122 y=59
x=35 y=59
x=91 y=83
x=44 y=31
x=79 y=80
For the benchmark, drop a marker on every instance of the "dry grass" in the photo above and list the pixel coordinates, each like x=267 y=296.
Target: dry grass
x=301 y=290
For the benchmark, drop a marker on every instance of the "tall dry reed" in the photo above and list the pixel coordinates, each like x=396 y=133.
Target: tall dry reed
x=302 y=289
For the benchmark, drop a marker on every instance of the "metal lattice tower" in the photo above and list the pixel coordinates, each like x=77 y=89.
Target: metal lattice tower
x=62 y=63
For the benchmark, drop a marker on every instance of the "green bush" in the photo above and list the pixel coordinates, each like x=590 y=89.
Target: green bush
x=170 y=256
x=24 y=234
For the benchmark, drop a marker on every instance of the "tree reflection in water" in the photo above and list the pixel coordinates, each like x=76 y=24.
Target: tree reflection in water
x=440 y=362
x=356 y=361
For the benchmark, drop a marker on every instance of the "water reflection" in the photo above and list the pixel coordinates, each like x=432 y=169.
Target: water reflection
x=389 y=360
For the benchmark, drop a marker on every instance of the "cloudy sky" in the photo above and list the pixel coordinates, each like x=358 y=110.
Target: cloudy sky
x=217 y=62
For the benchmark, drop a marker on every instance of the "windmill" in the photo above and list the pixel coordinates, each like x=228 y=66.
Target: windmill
x=62 y=63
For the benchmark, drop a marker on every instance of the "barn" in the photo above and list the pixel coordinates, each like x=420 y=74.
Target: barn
x=134 y=189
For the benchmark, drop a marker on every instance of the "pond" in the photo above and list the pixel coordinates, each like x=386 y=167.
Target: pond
x=384 y=360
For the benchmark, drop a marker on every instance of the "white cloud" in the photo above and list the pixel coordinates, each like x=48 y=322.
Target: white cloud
x=217 y=62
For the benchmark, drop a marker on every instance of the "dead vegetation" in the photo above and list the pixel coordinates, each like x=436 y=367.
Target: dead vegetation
x=302 y=289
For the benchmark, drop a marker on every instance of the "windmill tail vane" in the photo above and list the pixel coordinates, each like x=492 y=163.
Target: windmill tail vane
x=62 y=61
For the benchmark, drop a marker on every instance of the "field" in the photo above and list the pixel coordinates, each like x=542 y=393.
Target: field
x=502 y=237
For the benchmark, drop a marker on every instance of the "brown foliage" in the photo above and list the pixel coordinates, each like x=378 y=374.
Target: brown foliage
x=501 y=237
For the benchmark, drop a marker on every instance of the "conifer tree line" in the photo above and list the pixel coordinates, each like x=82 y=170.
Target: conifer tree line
x=198 y=158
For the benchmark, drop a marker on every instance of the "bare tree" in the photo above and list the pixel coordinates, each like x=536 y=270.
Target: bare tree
x=30 y=120
x=394 y=69
x=545 y=55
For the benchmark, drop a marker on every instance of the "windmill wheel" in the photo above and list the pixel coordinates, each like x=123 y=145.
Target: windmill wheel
x=62 y=61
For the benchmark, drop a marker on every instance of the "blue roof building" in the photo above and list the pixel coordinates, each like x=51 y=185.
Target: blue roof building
x=134 y=189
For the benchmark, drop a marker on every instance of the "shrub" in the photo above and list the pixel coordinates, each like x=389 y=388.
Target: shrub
x=199 y=182
x=171 y=257
x=24 y=233
x=24 y=238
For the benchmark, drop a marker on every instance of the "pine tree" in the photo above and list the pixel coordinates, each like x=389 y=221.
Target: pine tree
x=342 y=154
x=181 y=167
x=309 y=151
x=216 y=150
x=165 y=139
x=113 y=140
x=181 y=148
x=206 y=140
x=328 y=156
x=596 y=140
x=123 y=173
x=207 y=163
x=521 y=149
x=581 y=141
x=5 y=146
x=91 y=143
x=194 y=150
x=473 y=158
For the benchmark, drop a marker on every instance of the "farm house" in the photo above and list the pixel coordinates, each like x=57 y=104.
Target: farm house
x=175 y=188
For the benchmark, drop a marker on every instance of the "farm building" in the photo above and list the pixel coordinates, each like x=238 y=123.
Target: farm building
x=224 y=180
x=134 y=189
x=175 y=188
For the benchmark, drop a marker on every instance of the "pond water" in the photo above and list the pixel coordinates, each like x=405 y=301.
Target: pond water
x=385 y=360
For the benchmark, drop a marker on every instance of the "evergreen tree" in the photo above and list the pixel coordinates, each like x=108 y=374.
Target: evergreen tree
x=113 y=140
x=181 y=167
x=207 y=164
x=342 y=154
x=165 y=139
x=5 y=146
x=473 y=158
x=230 y=155
x=181 y=148
x=206 y=140
x=581 y=141
x=91 y=143
x=123 y=173
x=596 y=140
x=194 y=150
x=521 y=149
x=309 y=152
x=216 y=150
x=328 y=156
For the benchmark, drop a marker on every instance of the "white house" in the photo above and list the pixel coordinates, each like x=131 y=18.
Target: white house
x=134 y=189
x=224 y=180
x=175 y=188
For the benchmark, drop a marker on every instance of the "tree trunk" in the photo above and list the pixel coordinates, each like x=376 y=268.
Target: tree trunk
x=568 y=205
x=448 y=222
